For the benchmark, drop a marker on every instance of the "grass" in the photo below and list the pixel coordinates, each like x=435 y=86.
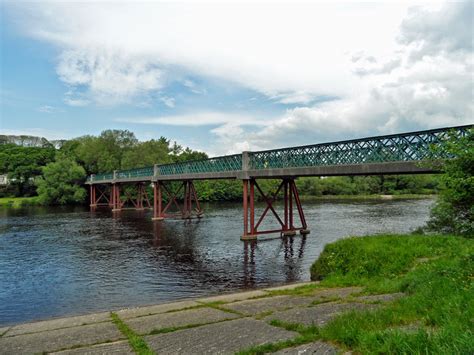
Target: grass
x=137 y=343
x=18 y=201
x=435 y=316
x=435 y=272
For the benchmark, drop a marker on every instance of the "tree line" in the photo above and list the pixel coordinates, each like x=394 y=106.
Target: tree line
x=57 y=174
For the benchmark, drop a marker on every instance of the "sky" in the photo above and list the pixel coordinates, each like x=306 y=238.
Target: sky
x=224 y=77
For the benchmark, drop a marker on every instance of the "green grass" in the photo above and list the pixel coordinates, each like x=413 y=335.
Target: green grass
x=435 y=316
x=18 y=201
x=435 y=272
x=137 y=343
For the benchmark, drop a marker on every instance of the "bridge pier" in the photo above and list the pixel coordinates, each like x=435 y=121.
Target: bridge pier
x=287 y=224
x=189 y=195
x=96 y=201
x=157 y=202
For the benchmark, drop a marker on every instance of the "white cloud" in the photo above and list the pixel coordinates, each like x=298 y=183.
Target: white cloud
x=46 y=109
x=168 y=101
x=196 y=119
x=422 y=85
x=117 y=51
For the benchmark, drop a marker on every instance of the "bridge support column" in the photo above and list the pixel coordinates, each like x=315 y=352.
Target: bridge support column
x=93 y=202
x=190 y=194
x=286 y=226
x=190 y=199
x=157 y=202
x=116 y=202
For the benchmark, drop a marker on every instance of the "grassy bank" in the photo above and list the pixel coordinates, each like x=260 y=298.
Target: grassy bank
x=366 y=197
x=436 y=274
x=18 y=201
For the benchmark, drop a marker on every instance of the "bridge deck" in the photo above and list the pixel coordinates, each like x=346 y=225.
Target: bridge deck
x=403 y=153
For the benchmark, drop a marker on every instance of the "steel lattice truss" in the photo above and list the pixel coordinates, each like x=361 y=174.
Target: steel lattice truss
x=218 y=164
x=417 y=146
x=405 y=147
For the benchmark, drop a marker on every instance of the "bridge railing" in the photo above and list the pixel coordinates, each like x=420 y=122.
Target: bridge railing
x=217 y=164
x=100 y=177
x=413 y=146
x=134 y=173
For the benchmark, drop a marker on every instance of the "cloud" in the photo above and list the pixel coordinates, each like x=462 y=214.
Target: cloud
x=168 y=101
x=421 y=85
x=114 y=52
x=448 y=30
x=196 y=119
x=46 y=109
x=387 y=68
x=111 y=76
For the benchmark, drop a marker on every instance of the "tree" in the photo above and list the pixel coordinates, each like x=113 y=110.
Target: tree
x=104 y=153
x=61 y=182
x=23 y=165
x=454 y=210
x=147 y=153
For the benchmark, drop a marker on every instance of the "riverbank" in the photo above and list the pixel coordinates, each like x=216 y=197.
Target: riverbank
x=367 y=197
x=391 y=294
x=18 y=201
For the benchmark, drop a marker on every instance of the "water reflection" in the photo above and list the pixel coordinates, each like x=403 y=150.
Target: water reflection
x=62 y=261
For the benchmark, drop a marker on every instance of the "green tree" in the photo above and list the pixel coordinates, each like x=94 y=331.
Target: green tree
x=454 y=210
x=147 y=153
x=104 y=153
x=23 y=165
x=61 y=182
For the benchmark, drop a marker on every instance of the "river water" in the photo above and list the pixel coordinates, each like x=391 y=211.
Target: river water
x=65 y=261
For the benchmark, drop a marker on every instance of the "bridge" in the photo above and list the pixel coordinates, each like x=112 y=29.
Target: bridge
x=404 y=153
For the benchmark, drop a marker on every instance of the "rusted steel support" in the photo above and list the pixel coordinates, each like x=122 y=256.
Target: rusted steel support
x=116 y=203
x=92 y=196
x=286 y=225
x=157 y=202
x=189 y=196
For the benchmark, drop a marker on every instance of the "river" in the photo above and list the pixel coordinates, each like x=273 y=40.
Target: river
x=65 y=261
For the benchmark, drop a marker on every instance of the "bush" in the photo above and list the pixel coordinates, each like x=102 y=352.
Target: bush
x=454 y=210
x=61 y=182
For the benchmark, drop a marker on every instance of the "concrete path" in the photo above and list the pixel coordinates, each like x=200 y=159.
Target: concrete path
x=223 y=324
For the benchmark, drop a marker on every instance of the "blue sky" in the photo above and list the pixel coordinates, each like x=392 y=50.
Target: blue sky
x=226 y=78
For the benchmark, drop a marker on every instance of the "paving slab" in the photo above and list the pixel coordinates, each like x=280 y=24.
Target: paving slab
x=252 y=307
x=159 y=308
x=119 y=347
x=234 y=297
x=3 y=330
x=144 y=325
x=316 y=348
x=55 y=340
x=317 y=315
x=58 y=323
x=386 y=297
x=220 y=338
x=291 y=286
x=335 y=293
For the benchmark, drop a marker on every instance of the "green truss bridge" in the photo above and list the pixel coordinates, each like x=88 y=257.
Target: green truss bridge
x=404 y=153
